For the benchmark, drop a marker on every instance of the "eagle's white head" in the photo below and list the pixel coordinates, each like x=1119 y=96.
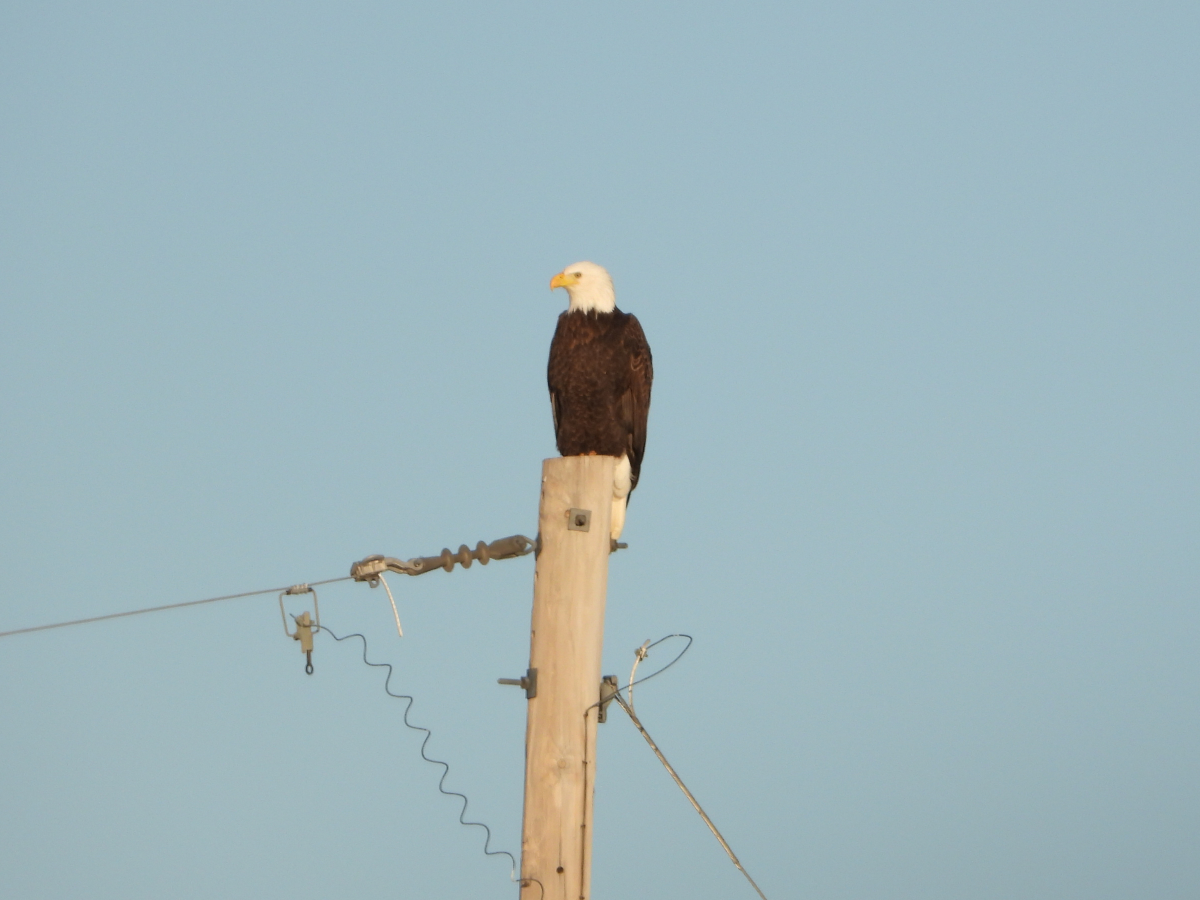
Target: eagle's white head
x=588 y=285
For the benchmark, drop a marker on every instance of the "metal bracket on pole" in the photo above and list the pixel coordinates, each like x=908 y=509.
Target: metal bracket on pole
x=529 y=682
x=608 y=690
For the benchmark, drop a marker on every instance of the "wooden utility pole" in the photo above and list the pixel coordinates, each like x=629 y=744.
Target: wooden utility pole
x=566 y=639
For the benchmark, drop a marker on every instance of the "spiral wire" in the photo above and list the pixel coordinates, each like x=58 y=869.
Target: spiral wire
x=428 y=734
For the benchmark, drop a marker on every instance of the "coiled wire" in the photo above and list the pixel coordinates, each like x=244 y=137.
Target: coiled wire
x=428 y=734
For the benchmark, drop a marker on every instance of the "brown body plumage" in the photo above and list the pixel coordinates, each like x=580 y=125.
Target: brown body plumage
x=599 y=376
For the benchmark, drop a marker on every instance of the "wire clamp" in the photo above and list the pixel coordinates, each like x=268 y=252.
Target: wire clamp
x=369 y=569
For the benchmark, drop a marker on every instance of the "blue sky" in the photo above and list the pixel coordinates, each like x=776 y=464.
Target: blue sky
x=921 y=283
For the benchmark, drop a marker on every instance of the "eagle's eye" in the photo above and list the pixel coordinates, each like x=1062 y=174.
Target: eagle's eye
x=578 y=274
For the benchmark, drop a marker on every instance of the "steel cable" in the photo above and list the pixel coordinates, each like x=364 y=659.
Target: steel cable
x=150 y=609
x=640 y=654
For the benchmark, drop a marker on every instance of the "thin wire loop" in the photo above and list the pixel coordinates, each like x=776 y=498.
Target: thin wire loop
x=655 y=674
x=138 y=612
x=428 y=734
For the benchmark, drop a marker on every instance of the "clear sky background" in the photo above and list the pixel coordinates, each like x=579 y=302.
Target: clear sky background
x=921 y=282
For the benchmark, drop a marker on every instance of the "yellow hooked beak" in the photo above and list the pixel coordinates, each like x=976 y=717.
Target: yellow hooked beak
x=563 y=279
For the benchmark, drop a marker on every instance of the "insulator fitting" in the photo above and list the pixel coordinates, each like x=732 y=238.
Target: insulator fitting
x=369 y=569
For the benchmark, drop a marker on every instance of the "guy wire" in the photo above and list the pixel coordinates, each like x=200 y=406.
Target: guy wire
x=428 y=734
x=138 y=612
x=641 y=653
x=683 y=787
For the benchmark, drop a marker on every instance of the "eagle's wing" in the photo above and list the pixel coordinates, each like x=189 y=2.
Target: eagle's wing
x=559 y=353
x=554 y=410
x=635 y=403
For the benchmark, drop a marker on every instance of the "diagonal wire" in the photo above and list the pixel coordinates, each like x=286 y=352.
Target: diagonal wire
x=138 y=612
x=428 y=734
x=683 y=787
x=641 y=654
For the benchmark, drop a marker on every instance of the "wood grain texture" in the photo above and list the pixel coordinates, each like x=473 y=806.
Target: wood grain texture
x=566 y=640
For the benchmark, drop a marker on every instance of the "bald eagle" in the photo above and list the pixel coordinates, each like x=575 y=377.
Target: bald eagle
x=599 y=376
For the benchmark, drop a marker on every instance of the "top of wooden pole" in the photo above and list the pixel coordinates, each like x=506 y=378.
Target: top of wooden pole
x=566 y=641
